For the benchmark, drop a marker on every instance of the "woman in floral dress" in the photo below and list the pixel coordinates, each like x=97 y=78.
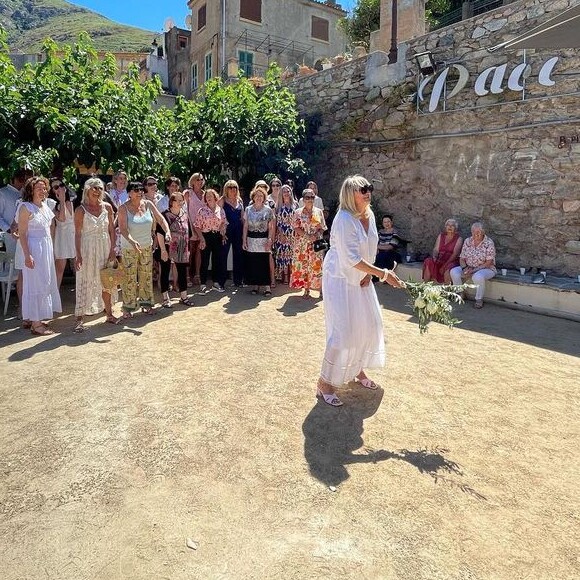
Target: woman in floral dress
x=284 y=234
x=309 y=225
x=95 y=246
x=176 y=251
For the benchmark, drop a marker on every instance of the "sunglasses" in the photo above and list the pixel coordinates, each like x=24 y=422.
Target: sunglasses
x=276 y=185
x=58 y=185
x=307 y=197
x=232 y=187
x=150 y=184
x=96 y=187
x=368 y=188
x=138 y=189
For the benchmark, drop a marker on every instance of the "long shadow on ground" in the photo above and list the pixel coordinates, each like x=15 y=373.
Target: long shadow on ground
x=332 y=434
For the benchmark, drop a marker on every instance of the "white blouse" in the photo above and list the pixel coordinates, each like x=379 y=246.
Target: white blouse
x=349 y=244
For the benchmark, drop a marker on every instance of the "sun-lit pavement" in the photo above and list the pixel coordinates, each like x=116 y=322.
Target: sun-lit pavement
x=119 y=445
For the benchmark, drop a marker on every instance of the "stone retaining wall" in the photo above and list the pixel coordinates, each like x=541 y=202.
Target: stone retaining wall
x=494 y=158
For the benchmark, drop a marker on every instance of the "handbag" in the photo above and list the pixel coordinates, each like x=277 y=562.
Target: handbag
x=320 y=245
x=111 y=276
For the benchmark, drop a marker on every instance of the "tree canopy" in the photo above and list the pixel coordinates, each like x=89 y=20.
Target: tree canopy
x=73 y=108
x=365 y=18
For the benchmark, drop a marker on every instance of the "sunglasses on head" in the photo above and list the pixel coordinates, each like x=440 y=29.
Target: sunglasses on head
x=368 y=188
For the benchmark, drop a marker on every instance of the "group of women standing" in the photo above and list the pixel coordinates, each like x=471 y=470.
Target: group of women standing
x=133 y=226
x=279 y=232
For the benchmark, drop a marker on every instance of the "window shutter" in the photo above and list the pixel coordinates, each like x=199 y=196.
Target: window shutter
x=201 y=17
x=320 y=28
x=251 y=10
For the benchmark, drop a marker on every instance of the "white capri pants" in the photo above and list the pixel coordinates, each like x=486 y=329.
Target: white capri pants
x=478 y=278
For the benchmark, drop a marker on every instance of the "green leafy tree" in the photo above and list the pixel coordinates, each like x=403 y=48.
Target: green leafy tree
x=73 y=108
x=365 y=18
x=236 y=130
x=9 y=106
x=366 y=14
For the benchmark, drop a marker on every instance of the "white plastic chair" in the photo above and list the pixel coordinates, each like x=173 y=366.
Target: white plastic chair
x=8 y=275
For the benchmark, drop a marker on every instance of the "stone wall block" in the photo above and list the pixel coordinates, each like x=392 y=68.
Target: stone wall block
x=536 y=11
x=496 y=25
x=479 y=32
x=571 y=205
x=511 y=204
x=517 y=17
x=573 y=247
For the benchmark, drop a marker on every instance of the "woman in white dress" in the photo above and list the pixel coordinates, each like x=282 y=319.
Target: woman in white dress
x=95 y=246
x=64 y=235
x=40 y=297
x=354 y=327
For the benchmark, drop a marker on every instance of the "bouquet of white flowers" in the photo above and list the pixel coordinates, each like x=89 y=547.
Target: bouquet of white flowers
x=431 y=301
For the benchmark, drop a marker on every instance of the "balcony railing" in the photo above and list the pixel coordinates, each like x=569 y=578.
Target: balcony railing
x=469 y=9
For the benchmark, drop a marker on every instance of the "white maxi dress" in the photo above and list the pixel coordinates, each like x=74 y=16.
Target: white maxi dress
x=354 y=326
x=40 y=297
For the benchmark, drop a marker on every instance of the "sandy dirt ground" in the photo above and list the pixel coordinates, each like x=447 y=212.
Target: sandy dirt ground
x=119 y=445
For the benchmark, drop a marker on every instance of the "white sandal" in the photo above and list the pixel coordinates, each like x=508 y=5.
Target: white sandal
x=329 y=398
x=367 y=384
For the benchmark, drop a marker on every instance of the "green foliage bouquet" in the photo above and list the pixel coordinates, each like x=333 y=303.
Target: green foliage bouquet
x=434 y=302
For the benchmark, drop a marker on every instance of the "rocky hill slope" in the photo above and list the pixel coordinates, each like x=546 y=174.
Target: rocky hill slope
x=29 y=22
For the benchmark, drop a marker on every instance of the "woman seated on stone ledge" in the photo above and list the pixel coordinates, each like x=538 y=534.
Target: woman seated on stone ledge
x=445 y=254
x=477 y=261
x=388 y=248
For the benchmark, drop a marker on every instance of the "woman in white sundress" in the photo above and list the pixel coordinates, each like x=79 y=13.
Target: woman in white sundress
x=95 y=246
x=40 y=297
x=64 y=235
x=354 y=326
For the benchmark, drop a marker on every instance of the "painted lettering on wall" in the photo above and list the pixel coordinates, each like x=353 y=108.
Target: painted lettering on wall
x=493 y=168
x=493 y=80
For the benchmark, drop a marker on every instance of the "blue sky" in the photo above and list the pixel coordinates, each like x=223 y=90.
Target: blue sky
x=151 y=16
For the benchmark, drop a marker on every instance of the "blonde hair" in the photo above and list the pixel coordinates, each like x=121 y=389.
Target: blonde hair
x=231 y=183
x=293 y=202
x=92 y=182
x=194 y=177
x=350 y=186
x=260 y=191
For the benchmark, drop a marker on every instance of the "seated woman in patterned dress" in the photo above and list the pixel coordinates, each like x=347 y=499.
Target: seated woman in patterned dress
x=476 y=261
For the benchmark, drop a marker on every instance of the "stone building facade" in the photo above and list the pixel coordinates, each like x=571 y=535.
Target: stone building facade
x=254 y=33
x=504 y=149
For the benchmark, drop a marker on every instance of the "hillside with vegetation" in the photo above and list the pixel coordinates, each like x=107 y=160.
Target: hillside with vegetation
x=29 y=22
